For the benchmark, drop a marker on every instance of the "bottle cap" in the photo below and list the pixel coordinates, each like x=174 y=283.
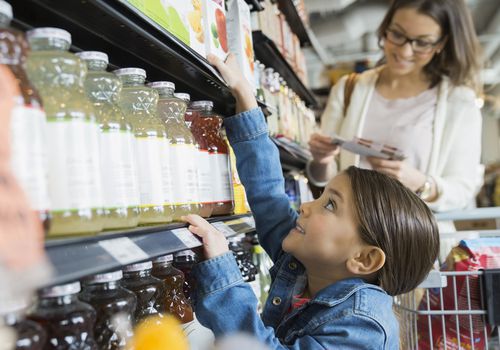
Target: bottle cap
x=165 y=258
x=183 y=96
x=162 y=85
x=93 y=55
x=138 y=267
x=61 y=290
x=198 y=104
x=6 y=9
x=130 y=71
x=49 y=32
x=104 y=277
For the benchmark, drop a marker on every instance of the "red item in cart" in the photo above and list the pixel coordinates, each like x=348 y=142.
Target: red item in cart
x=470 y=255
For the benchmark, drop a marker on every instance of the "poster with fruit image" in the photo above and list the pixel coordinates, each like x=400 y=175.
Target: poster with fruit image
x=215 y=28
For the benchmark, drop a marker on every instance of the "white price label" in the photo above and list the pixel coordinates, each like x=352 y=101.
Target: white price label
x=124 y=250
x=187 y=237
x=225 y=229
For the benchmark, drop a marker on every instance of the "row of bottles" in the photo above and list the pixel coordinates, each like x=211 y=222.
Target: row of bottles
x=107 y=151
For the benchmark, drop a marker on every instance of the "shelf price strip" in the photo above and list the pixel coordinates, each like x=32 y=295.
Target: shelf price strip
x=123 y=250
x=186 y=237
x=225 y=229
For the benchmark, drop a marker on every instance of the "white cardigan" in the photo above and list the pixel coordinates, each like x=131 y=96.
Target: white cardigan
x=454 y=162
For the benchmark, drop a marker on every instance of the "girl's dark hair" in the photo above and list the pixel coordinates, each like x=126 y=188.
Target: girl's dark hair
x=394 y=219
x=460 y=59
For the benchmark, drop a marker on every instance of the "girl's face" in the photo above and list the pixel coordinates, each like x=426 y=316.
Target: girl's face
x=406 y=57
x=326 y=233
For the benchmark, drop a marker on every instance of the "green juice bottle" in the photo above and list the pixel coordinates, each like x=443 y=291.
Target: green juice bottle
x=73 y=169
x=139 y=103
x=116 y=139
x=182 y=150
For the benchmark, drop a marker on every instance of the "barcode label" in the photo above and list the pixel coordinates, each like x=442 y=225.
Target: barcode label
x=187 y=237
x=225 y=229
x=123 y=250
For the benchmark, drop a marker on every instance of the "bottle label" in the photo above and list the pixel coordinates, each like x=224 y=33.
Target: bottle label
x=222 y=185
x=70 y=163
x=120 y=187
x=166 y=172
x=184 y=174
x=29 y=154
x=206 y=171
x=97 y=195
x=149 y=160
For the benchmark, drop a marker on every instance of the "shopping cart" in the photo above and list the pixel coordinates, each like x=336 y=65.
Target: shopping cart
x=453 y=309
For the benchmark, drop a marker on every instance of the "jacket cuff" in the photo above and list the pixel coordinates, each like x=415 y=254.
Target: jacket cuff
x=246 y=125
x=217 y=274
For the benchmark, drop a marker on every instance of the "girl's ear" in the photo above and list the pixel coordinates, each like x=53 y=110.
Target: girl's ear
x=369 y=260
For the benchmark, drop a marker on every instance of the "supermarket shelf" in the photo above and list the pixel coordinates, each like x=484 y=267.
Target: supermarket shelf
x=74 y=258
x=130 y=39
x=268 y=53
x=288 y=8
x=470 y=214
x=255 y=5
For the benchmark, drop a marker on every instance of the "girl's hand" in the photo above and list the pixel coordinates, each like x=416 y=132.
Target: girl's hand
x=399 y=170
x=322 y=148
x=240 y=87
x=214 y=242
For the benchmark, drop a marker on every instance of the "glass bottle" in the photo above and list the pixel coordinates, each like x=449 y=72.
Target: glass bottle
x=138 y=279
x=206 y=127
x=116 y=139
x=185 y=261
x=182 y=150
x=74 y=180
x=110 y=301
x=243 y=259
x=173 y=299
x=67 y=321
x=28 y=121
x=139 y=102
x=30 y=335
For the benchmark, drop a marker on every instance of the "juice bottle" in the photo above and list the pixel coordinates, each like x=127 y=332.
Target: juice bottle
x=138 y=279
x=116 y=139
x=30 y=335
x=182 y=150
x=173 y=300
x=68 y=322
x=28 y=123
x=71 y=133
x=206 y=126
x=109 y=299
x=139 y=102
x=185 y=261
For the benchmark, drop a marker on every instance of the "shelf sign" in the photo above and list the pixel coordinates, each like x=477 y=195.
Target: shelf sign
x=123 y=250
x=225 y=229
x=187 y=237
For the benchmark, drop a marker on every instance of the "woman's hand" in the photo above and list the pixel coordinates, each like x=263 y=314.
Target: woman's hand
x=214 y=242
x=322 y=149
x=240 y=87
x=399 y=170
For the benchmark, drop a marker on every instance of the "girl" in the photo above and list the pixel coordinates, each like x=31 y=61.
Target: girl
x=337 y=264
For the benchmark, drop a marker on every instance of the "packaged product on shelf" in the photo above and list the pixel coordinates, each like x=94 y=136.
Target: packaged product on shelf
x=73 y=169
x=28 y=122
x=154 y=10
x=172 y=299
x=241 y=205
x=139 y=102
x=67 y=321
x=257 y=81
x=115 y=308
x=214 y=25
x=116 y=139
x=239 y=35
x=28 y=334
x=206 y=124
x=148 y=289
x=182 y=151
x=185 y=261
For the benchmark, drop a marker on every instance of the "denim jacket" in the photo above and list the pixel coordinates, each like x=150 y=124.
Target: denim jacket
x=349 y=314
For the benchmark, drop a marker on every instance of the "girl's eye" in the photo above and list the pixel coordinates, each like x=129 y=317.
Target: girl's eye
x=330 y=205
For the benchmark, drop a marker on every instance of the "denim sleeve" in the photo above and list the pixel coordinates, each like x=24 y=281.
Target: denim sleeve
x=227 y=305
x=259 y=168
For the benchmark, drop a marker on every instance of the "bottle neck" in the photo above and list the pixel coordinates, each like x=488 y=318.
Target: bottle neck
x=4 y=21
x=137 y=274
x=59 y=301
x=132 y=80
x=98 y=287
x=165 y=92
x=49 y=44
x=96 y=65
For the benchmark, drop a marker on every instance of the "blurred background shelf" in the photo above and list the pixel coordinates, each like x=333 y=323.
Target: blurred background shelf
x=74 y=258
x=255 y=5
x=288 y=8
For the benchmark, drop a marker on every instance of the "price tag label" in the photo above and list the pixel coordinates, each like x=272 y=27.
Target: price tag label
x=225 y=229
x=187 y=237
x=123 y=250
x=250 y=221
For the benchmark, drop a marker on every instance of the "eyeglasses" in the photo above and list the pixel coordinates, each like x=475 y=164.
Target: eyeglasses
x=418 y=46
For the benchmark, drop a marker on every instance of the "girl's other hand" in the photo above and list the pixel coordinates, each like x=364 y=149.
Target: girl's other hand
x=214 y=242
x=399 y=170
x=322 y=148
